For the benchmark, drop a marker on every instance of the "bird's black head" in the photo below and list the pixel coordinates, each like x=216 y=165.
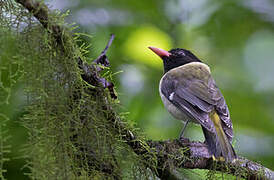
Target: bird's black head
x=175 y=57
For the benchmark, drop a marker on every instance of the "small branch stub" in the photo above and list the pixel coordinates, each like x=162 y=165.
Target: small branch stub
x=102 y=60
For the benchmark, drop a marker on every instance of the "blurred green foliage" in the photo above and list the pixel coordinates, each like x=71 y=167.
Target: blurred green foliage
x=232 y=37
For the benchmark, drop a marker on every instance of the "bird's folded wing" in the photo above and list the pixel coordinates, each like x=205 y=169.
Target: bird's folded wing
x=198 y=98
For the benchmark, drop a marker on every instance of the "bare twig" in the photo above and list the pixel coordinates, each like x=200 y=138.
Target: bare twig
x=109 y=44
x=103 y=53
x=103 y=60
x=169 y=154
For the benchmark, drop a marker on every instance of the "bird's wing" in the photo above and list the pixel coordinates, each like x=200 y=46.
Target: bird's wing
x=197 y=96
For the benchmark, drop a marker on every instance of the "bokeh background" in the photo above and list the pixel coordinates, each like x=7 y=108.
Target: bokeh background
x=235 y=38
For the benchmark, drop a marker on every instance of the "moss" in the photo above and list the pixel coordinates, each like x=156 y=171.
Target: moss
x=70 y=135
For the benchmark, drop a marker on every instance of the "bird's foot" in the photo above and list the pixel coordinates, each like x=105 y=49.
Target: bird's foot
x=222 y=159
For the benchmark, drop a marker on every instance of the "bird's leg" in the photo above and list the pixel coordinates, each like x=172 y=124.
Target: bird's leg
x=183 y=130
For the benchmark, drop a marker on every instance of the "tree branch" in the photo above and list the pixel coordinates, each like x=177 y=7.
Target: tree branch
x=192 y=155
x=169 y=154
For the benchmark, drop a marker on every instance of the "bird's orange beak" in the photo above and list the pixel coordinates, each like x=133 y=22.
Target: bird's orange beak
x=159 y=52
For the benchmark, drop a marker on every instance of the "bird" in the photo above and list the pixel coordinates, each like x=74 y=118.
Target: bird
x=189 y=93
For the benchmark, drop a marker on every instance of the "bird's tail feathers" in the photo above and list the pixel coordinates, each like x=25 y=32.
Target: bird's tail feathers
x=217 y=142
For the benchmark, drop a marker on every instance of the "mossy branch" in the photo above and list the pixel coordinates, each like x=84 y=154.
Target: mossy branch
x=162 y=157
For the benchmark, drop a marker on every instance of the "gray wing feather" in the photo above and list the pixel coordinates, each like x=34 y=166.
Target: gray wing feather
x=197 y=98
x=194 y=100
x=210 y=93
x=188 y=103
x=194 y=112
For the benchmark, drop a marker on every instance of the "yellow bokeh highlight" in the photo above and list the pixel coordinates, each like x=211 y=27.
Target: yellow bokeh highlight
x=136 y=46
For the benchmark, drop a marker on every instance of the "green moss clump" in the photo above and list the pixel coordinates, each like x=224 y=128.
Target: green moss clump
x=70 y=134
